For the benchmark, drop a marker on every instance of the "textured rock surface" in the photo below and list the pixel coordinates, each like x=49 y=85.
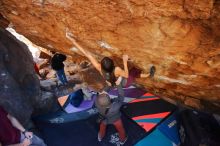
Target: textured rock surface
x=19 y=86
x=181 y=37
x=3 y=22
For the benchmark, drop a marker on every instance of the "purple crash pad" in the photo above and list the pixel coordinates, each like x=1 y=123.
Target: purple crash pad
x=131 y=92
x=86 y=104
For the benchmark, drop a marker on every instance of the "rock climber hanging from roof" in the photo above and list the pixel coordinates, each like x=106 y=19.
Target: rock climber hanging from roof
x=114 y=75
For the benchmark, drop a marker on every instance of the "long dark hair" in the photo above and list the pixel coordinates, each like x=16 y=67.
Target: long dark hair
x=108 y=68
x=107 y=64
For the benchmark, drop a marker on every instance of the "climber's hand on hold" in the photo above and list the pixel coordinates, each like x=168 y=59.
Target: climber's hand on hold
x=70 y=36
x=125 y=58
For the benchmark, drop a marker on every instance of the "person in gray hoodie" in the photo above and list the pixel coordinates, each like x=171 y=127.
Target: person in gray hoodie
x=109 y=110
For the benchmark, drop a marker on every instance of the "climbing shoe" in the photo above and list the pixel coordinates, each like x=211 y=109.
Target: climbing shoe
x=99 y=138
x=123 y=142
x=152 y=71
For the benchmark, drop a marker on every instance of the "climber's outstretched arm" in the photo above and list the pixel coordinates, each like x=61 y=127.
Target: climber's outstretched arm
x=95 y=63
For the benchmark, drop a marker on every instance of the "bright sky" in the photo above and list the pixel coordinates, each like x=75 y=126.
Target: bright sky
x=35 y=51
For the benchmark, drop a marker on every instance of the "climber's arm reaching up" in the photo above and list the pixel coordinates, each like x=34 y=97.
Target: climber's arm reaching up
x=123 y=72
x=95 y=63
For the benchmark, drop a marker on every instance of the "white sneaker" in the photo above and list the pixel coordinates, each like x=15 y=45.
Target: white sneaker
x=123 y=142
x=99 y=138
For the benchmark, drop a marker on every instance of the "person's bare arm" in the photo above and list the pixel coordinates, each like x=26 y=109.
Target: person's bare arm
x=87 y=54
x=18 y=125
x=124 y=73
x=145 y=75
x=125 y=62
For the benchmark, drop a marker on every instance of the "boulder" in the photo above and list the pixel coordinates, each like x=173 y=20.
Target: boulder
x=180 y=37
x=19 y=84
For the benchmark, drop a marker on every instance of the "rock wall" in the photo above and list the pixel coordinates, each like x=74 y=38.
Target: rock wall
x=20 y=91
x=3 y=22
x=180 y=37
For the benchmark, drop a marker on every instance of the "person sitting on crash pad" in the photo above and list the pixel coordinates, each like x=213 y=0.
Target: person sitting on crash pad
x=12 y=133
x=114 y=75
x=87 y=91
x=109 y=110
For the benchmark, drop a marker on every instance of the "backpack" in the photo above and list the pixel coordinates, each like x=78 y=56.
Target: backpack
x=75 y=98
